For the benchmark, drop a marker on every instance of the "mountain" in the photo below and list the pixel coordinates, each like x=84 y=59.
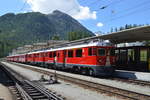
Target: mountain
x=26 y=28
x=65 y=23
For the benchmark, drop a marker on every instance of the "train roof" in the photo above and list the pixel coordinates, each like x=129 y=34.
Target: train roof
x=17 y=55
x=82 y=46
x=98 y=43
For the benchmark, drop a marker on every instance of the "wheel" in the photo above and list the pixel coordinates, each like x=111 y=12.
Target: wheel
x=91 y=72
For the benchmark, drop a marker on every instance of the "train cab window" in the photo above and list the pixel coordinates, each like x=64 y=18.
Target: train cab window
x=50 y=55
x=101 y=52
x=70 y=53
x=79 y=53
x=143 y=55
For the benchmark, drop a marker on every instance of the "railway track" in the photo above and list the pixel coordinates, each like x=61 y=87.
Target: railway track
x=136 y=82
x=109 y=90
x=24 y=89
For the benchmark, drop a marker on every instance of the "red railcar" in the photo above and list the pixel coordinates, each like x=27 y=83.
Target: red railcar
x=93 y=58
x=22 y=58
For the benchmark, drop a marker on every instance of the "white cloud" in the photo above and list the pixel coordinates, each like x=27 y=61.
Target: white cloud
x=71 y=7
x=100 y=24
x=85 y=13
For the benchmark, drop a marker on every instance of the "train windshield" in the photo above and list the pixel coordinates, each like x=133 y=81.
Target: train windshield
x=101 y=52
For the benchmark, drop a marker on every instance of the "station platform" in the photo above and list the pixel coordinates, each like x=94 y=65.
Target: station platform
x=144 y=76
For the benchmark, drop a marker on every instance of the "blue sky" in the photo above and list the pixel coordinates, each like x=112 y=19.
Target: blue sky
x=117 y=12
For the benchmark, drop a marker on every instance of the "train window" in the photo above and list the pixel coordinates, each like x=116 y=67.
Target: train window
x=41 y=55
x=130 y=54
x=54 y=54
x=90 y=51
x=101 y=52
x=94 y=51
x=50 y=55
x=143 y=55
x=70 y=53
x=44 y=55
x=37 y=55
x=79 y=53
x=58 y=54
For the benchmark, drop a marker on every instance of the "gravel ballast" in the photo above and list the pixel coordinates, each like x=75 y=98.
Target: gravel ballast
x=114 y=83
x=67 y=90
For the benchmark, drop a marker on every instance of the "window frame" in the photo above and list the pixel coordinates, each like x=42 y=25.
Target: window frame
x=98 y=54
x=54 y=54
x=77 y=55
x=50 y=55
x=71 y=55
x=93 y=51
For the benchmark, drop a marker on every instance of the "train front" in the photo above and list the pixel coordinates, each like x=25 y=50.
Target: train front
x=105 y=60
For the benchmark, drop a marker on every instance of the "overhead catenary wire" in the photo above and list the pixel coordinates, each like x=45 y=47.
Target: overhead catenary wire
x=131 y=12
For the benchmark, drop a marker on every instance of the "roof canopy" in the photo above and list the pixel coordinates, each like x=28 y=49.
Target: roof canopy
x=125 y=36
x=129 y=35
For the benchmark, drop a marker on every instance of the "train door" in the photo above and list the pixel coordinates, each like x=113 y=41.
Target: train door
x=143 y=63
x=64 y=58
x=57 y=58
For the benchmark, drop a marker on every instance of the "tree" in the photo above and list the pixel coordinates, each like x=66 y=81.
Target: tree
x=112 y=30
x=121 y=28
x=77 y=35
x=116 y=30
x=56 y=37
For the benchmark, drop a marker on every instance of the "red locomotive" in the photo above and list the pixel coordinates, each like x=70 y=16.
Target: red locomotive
x=92 y=58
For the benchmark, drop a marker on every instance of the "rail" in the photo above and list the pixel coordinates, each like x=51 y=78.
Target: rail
x=122 y=93
x=29 y=90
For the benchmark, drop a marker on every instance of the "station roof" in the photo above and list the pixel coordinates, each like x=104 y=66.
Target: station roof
x=141 y=33
x=128 y=35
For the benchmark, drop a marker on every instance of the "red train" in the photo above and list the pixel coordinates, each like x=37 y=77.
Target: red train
x=93 y=58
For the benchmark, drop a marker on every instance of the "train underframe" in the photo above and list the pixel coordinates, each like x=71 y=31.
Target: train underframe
x=92 y=70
